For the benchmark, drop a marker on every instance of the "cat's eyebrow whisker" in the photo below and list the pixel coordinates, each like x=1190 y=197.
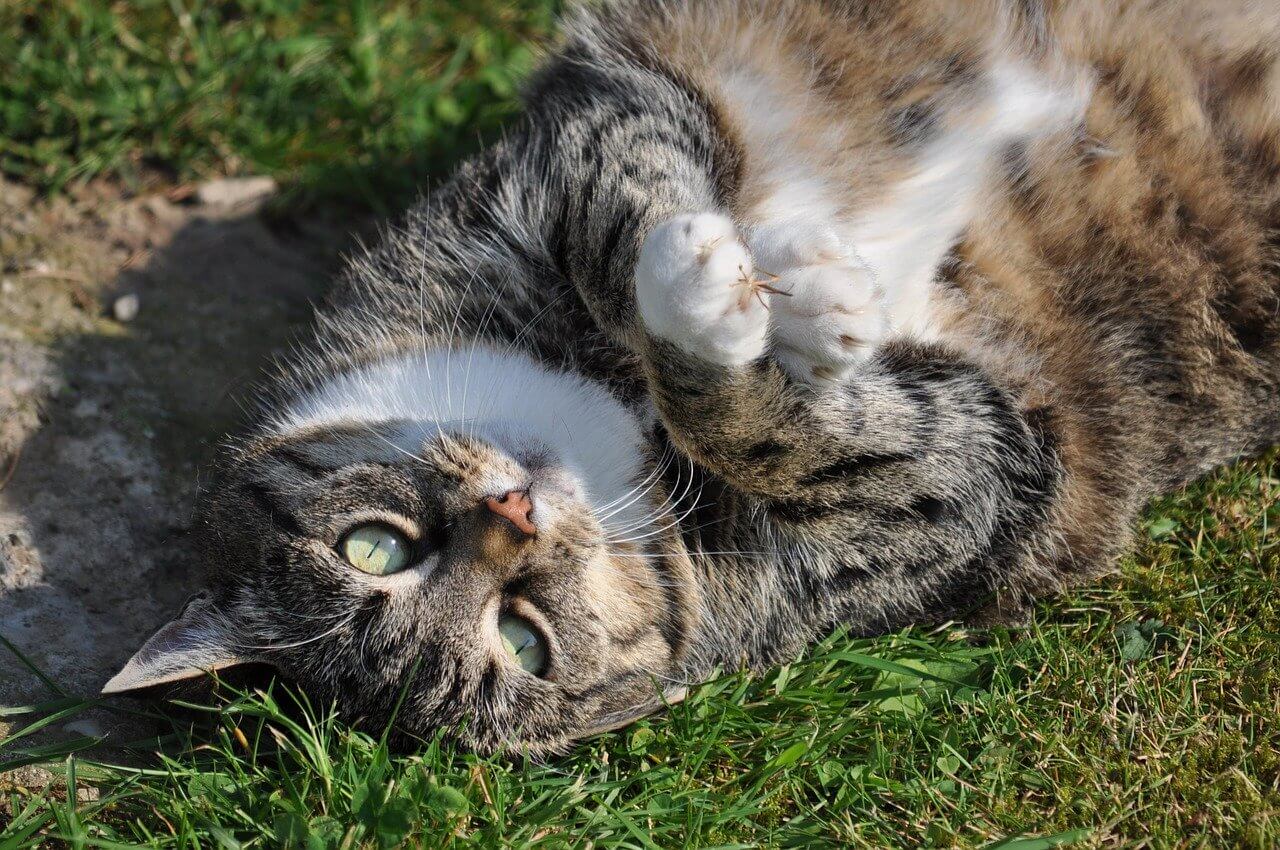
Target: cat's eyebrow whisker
x=453 y=334
x=375 y=432
x=479 y=334
x=422 y=335
x=511 y=346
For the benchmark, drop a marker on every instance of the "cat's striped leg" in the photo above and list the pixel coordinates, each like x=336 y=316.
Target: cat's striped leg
x=727 y=404
x=911 y=427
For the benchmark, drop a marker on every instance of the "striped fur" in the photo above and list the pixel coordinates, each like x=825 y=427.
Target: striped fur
x=1064 y=216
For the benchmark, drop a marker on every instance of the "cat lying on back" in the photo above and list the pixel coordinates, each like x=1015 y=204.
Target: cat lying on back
x=771 y=317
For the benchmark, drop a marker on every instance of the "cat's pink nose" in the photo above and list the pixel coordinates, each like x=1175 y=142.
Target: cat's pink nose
x=516 y=506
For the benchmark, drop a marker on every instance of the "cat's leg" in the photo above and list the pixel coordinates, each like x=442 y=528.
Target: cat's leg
x=778 y=432
x=705 y=310
x=906 y=492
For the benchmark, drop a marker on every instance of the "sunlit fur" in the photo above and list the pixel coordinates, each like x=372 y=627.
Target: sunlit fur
x=1063 y=217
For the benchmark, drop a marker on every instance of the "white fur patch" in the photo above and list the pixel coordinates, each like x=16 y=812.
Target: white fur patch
x=508 y=400
x=693 y=288
x=790 y=139
x=905 y=238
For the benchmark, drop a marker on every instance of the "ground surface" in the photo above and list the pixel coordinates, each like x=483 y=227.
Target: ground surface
x=1139 y=712
x=105 y=423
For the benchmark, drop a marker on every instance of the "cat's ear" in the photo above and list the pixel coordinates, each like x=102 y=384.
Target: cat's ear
x=198 y=641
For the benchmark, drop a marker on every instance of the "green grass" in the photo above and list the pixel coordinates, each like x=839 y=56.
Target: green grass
x=1138 y=712
x=359 y=100
x=1141 y=712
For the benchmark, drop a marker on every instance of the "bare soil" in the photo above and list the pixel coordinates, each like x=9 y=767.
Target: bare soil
x=105 y=424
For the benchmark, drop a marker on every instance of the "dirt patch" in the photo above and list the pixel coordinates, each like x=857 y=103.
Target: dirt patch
x=105 y=424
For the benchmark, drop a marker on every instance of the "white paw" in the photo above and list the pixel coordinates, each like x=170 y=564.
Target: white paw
x=694 y=288
x=829 y=313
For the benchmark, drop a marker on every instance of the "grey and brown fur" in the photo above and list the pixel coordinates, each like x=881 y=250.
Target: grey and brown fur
x=1111 y=330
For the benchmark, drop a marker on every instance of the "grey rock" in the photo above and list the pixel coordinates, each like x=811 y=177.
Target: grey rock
x=125 y=308
x=236 y=191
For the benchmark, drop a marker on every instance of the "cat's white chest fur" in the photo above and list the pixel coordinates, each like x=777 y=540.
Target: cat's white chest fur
x=838 y=281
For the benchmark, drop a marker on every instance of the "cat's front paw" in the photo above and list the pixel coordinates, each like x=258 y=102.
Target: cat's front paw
x=828 y=313
x=695 y=287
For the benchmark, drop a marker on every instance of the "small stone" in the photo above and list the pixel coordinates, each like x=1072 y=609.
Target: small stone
x=87 y=727
x=7 y=286
x=236 y=191
x=125 y=308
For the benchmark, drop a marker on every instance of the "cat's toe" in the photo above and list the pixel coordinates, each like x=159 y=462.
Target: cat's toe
x=826 y=320
x=696 y=288
x=796 y=242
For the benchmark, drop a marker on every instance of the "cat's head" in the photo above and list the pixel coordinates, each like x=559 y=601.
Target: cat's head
x=509 y=568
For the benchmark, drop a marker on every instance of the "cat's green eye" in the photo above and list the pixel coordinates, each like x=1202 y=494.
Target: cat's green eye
x=376 y=550
x=523 y=643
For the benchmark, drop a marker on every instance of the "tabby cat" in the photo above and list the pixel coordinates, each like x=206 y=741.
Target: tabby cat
x=770 y=317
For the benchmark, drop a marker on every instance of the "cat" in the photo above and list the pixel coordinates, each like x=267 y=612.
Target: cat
x=770 y=317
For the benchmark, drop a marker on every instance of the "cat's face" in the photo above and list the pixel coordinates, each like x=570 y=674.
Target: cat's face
x=477 y=577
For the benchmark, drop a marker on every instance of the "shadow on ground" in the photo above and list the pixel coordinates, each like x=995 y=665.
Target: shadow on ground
x=106 y=424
